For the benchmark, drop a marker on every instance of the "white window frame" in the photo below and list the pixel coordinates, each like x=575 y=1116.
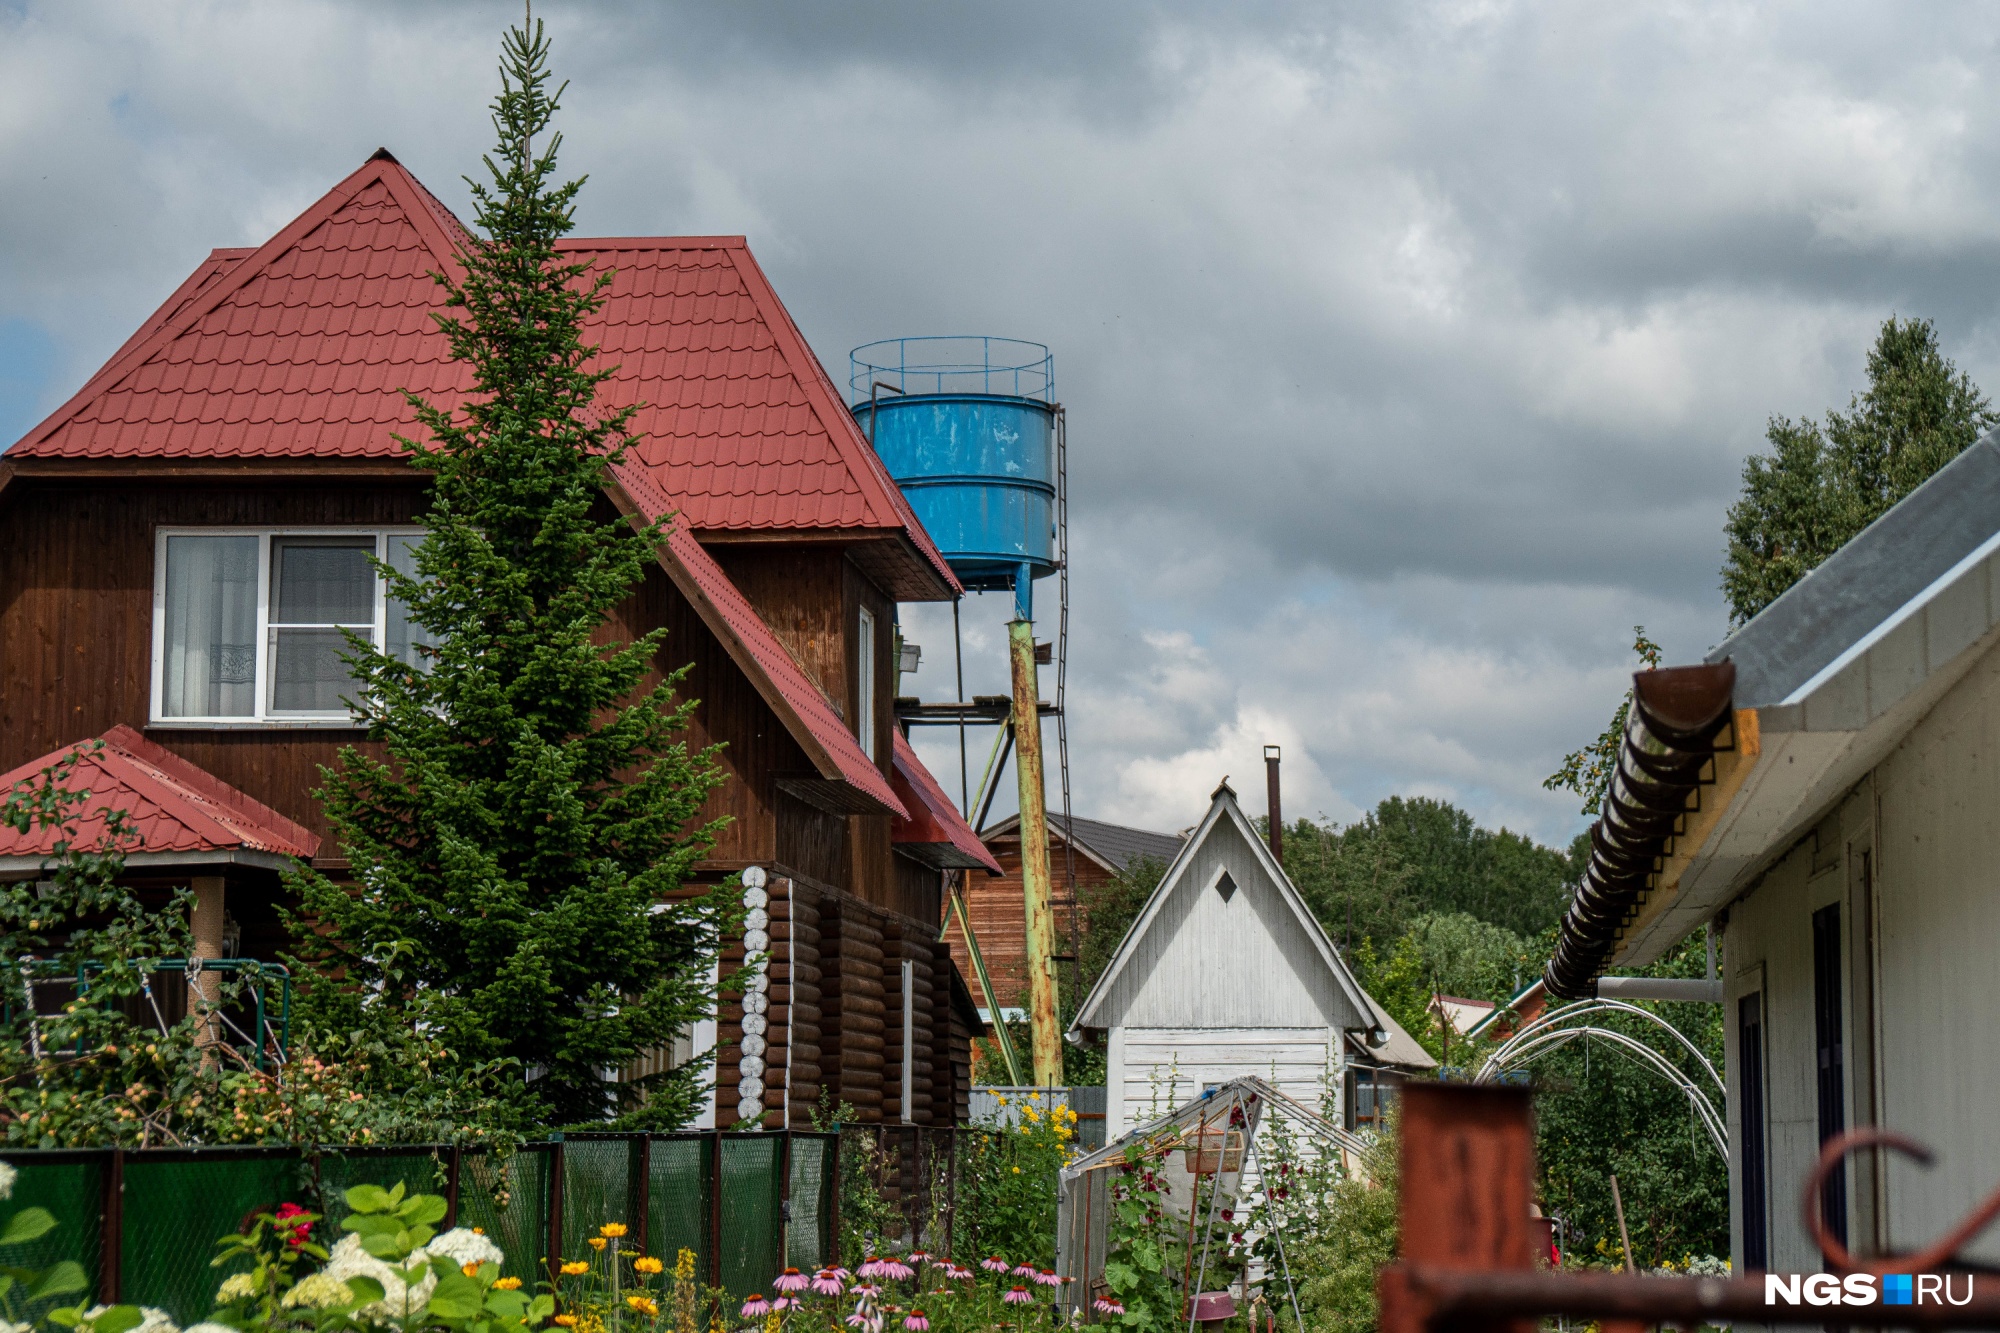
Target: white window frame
x=864 y=683
x=262 y=718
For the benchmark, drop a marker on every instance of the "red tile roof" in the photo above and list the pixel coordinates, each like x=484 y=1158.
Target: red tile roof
x=173 y=805
x=934 y=822
x=302 y=348
x=777 y=676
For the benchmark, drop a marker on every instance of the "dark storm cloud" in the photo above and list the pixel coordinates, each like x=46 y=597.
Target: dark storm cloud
x=1411 y=352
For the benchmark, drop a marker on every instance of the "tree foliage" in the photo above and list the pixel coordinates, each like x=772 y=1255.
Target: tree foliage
x=1820 y=484
x=1416 y=855
x=518 y=859
x=1599 y=1113
x=1587 y=772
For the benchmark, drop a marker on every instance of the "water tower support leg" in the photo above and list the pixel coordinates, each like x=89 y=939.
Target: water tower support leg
x=1041 y=925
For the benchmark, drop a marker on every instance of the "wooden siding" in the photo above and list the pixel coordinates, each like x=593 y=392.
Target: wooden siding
x=76 y=615
x=76 y=620
x=1257 y=965
x=1153 y=1070
x=998 y=919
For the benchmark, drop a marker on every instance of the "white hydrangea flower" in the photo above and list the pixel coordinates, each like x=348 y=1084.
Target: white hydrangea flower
x=8 y=1327
x=206 y=1327
x=8 y=1175
x=151 y=1319
x=398 y=1298
x=318 y=1291
x=235 y=1287
x=463 y=1246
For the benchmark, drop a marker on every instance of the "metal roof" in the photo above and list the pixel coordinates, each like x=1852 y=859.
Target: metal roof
x=935 y=834
x=1822 y=619
x=1830 y=677
x=1113 y=846
x=175 y=809
x=303 y=347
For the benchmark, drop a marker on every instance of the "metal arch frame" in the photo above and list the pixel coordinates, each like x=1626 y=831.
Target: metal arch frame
x=1544 y=1035
x=1563 y=1013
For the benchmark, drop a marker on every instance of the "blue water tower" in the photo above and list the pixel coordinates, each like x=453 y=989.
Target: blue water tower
x=967 y=427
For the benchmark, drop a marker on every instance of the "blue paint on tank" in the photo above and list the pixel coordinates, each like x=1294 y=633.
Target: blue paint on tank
x=979 y=470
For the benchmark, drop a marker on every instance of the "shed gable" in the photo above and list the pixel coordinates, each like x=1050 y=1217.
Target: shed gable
x=1199 y=958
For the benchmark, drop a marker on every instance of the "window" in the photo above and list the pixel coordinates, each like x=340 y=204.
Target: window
x=248 y=625
x=1369 y=1093
x=1750 y=1130
x=864 y=656
x=1831 y=1076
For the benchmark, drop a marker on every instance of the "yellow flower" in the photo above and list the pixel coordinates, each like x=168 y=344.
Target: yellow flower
x=1001 y=1100
x=566 y=1320
x=470 y=1270
x=612 y=1229
x=575 y=1268
x=508 y=1284
x=645 y=1305
x=684 y=1266
x=597 y=1242
x=479 y=1231
x=773 y=1322
x=1017 y=1170
x=646 y=1264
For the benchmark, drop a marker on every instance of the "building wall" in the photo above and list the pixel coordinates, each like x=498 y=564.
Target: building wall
x=1911 y=857
x=1000 y=921
x=1150 y=1071
x=76 y=614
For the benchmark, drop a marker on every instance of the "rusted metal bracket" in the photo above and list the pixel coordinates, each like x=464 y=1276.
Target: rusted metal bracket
x=1469 y=1259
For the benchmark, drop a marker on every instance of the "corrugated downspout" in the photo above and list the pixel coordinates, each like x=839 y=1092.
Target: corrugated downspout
x=1671 y=733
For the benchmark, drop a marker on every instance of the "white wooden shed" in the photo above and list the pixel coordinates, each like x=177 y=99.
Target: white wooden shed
x=1224 y=975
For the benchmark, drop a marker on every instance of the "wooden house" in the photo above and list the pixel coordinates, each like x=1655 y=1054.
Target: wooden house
x=1839 y=834
x=1226 y=974
x=180 y=539
x=1082 y=857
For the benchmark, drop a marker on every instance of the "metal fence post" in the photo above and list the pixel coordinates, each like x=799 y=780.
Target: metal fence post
x=555 y=1205
x=456 y=1161
x=833 y=1197
x=785 y=1200
x=644 y=1194
x=715 y=1211
x=111 y=1235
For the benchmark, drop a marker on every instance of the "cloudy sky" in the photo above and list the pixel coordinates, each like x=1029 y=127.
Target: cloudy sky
x=1410 y=351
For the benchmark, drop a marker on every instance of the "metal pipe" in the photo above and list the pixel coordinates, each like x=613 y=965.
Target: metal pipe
x=1684 y=990
x=1275 y=818
x=1037 y=909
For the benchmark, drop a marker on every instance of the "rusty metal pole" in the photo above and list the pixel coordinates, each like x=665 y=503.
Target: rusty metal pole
x=1035 y=888
x=1277 y=818
x=1467 y=1176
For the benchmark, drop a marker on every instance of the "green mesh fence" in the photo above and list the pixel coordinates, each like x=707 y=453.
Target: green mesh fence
x=751 y=1194
x=809 y=1239
x=679 y=1200
x=507 y=1197
x=600 y=1184
x=175 y=1203
x=71 y=1187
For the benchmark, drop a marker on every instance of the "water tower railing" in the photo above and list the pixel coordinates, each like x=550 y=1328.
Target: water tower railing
x=953 y=363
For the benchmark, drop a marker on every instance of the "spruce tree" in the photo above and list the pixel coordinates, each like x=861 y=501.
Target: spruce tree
x=1820 y=485
x=518 y=859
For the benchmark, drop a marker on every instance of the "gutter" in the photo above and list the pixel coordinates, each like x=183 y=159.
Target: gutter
x=1678 y=721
